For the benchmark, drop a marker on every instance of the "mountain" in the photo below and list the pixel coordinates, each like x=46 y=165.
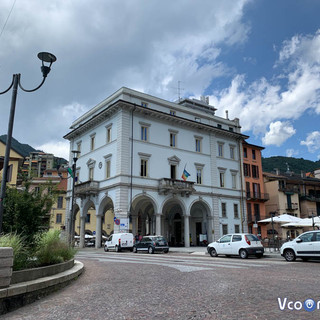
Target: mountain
x=294 y=164
x=23 y=149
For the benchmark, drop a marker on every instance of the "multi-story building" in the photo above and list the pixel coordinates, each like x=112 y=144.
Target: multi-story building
x=15 y=162
x=298 y=195
x=134 y=149
x=37 y=163
x=254 y=186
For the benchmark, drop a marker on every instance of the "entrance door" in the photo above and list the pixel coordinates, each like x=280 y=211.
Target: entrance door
x=198 y=232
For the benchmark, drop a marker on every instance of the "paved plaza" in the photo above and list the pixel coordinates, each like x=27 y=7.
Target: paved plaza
x=180 y=285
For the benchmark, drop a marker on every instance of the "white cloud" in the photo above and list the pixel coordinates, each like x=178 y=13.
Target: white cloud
x=291 y=152
x=278 y=133
x=58 y=148
x=312 y=141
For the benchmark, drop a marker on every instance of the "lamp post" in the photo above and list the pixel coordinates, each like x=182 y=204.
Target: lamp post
x=44 y=57
x=71 y=224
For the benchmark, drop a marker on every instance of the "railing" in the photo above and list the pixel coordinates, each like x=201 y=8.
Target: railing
x=174 y=186
x=292 y=206
x=289 y=189
x=86 y=188
x=309 y=197
x=257 y=196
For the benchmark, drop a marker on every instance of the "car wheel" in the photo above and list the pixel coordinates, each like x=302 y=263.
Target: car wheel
x=135 y=250
x=213 y=252
x=106 y=249
x=289 y=255
x=243 y=254
x=150 y=250
x=259 y=255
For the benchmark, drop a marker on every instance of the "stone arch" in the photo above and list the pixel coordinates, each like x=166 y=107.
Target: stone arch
x=106 y=212
x=200 y=223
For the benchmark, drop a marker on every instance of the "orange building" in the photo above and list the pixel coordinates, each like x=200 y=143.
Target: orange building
x=254 y=186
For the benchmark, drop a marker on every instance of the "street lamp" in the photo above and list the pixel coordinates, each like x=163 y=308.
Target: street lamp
x=44 y=57
x=71 y=224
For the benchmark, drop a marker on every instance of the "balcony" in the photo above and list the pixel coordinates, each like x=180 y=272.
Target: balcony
x=308 y=197
x=292 y=206
x=166 y=185
x=86 y=188
x=257 y=196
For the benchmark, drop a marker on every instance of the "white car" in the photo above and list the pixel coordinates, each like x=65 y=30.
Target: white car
x=119 y=241
x=306 y=246
x=242 y=244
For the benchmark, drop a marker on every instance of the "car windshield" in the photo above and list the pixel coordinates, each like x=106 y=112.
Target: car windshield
x=252 y=237
x=158 y=239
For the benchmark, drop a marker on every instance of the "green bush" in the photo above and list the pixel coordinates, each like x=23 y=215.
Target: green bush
x=50 y=249
x=20 y=251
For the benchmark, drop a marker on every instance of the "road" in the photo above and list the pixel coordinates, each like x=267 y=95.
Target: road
x=181 y=286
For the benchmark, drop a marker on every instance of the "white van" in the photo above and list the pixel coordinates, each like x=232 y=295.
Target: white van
x=119 y=241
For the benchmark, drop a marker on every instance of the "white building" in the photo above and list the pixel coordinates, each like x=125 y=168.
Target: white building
x=134 y=148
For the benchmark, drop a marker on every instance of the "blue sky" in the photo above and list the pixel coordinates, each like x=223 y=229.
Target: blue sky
x=260 y=60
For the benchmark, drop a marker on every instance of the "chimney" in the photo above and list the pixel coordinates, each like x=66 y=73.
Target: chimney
x=227 y=115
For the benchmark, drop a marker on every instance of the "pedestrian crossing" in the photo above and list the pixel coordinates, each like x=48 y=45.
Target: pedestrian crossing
x=183 y=264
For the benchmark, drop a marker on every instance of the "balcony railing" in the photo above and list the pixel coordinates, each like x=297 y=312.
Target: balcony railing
x=86 y=188
x=292 y=206
x=257 y=196
x=173 y=186
x=308 y=197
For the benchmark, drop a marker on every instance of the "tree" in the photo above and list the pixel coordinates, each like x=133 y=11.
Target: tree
x=27 y=211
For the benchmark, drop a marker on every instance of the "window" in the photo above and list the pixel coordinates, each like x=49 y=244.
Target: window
x=232 y=155
x=237 y=230
x=144 y=104
x=59 y=218
x=222 y=179
x=92 y=142
x=173 y=113
x=256 y=190
x=108 y=168
x=234 y=181
x=236 y=237
x=246 y=169
x=248 y=189
x=173 y=137
x=256 y=211
x=79 y=149
x=109 y=134
x=224 y=209
x=254 y=154
x=219 y=126
x=36 y=190
x=249 y=210
x=220 y=150
x=199 y=175
x=88 y=218
x=91 y=173
x=60 y=202
x=144 y=133
x=173 y=172
x=255 y=171
x=231 y=129
x=245 y=153
x=143 y=168
x=236 y=211
x=198 y=145
x=307 y=237
x=225 y=231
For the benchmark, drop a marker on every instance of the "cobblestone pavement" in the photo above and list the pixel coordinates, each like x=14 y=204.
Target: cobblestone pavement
x=179 y=286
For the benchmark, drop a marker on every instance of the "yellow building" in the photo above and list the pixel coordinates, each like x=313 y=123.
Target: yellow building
x=15 y=162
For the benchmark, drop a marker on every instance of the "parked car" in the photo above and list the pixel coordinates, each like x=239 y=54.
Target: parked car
x=306 y=246
x=242 y=244
x=119 y=242
x=152 y=244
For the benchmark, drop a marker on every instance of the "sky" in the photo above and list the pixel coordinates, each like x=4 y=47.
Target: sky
x=260 y=60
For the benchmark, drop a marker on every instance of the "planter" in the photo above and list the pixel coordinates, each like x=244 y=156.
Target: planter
x=36 y=273
x=6 y=263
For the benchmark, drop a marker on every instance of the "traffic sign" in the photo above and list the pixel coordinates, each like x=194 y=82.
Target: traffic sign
x=117 y=222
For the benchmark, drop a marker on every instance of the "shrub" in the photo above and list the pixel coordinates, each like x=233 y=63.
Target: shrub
x=20 y=251
x=50 y=249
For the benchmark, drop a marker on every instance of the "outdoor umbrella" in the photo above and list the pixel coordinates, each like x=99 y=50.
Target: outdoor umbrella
x=303 y=223
x=283 y=218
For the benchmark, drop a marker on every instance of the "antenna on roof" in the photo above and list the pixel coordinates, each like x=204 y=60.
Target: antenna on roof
x=179 y=91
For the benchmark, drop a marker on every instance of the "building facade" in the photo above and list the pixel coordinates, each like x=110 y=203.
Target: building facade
x=254 y=186
x=133 y=150
x=37 y=163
